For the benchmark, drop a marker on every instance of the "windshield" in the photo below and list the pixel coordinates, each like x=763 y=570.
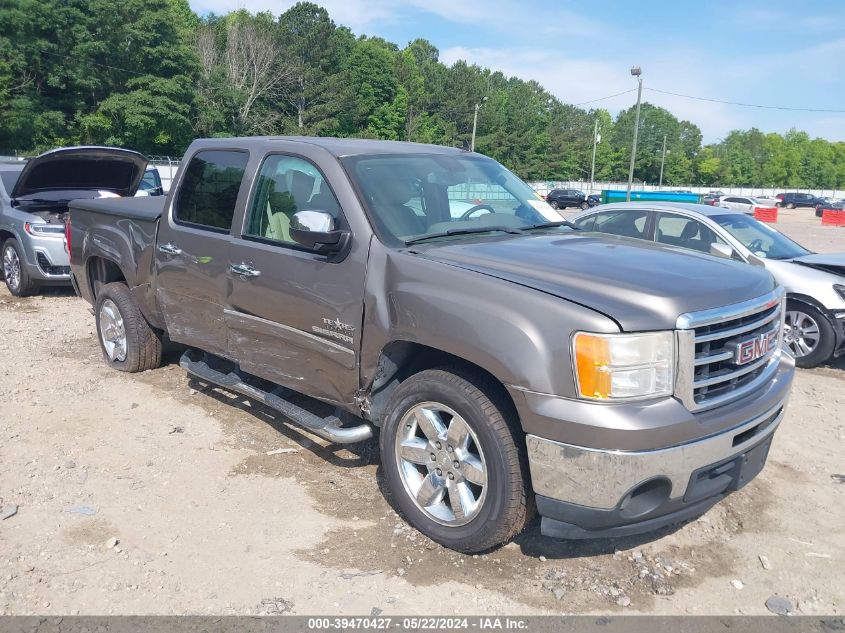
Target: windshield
x=413 y=196
x=759 y=238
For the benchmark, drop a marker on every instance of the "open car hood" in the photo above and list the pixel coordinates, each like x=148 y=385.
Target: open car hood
x=830 y=262
x=82 y=169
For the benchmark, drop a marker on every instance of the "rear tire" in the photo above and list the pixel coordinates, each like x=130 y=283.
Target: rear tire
x=554 y=204
x=442 y=498
x=126 y=339
x=790 y=206
x=808 y=333
x=17 y=279
x=585 y=205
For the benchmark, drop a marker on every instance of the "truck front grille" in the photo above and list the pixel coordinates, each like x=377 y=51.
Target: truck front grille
x=709 y=373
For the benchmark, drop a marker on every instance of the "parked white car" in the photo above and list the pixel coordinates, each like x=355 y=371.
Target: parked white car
x=745 y=204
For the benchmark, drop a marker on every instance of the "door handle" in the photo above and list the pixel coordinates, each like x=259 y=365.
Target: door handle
x=169 y=248
x=245 y=270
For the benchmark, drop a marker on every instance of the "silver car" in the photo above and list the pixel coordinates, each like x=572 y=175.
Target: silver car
x=814 y=282
x=33 y=203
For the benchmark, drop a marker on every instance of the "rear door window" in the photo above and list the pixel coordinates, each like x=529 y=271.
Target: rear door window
x=624 y=223
x=209 y=190
x=587 y=223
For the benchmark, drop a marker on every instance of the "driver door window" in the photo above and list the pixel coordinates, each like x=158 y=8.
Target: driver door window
x=286 y=185
x=684 y=232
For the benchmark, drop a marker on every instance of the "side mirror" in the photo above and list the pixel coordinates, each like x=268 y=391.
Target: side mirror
x=721 y=250
x=315 y=230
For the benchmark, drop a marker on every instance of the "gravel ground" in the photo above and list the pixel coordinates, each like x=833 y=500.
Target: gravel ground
x=147 y=494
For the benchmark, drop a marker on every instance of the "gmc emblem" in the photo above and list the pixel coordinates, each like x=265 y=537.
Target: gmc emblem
x=751 y=349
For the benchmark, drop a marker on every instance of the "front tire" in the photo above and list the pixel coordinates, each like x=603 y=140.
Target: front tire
x=808 y=333
x=454 y=459
x=18 y=281
x=126 y=339
x=584 y=205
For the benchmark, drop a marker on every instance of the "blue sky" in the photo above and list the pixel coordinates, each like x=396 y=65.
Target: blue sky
x=774 y=53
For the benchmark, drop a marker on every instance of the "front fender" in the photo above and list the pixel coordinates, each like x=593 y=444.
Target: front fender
x=518 y=334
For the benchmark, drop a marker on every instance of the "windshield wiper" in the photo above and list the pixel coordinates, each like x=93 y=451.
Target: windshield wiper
x=466 y=231
x=552 y=225
x=19 y=201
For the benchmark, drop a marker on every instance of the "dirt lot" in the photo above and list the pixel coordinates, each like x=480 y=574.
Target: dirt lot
x=206 y=521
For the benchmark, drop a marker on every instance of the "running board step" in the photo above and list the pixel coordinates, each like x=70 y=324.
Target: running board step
x=329 y=427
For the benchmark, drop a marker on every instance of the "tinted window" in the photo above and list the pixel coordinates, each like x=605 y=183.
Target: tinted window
x=685 y=232
x=9 y=179
x=625 y=223
x=286 y=185
x=210 y=187
x=586 y=223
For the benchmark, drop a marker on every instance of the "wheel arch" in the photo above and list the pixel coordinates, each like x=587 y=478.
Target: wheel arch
x=101 y=271
x=802 y=298
x=400 y=359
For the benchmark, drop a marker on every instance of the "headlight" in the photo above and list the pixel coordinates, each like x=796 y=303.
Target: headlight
x=840 y=290
x=52 y=230
x=624 y=366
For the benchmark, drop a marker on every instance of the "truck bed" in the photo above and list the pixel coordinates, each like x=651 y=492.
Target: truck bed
x=122 y=232
x=147 y=208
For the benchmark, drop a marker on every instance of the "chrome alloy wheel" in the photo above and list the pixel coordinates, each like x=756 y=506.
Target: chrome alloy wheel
x=801 y=333
x=441 y=464
x=112 y=331
x=11 y=267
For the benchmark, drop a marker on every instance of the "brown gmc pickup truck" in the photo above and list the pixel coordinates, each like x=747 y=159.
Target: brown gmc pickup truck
x=507 y=361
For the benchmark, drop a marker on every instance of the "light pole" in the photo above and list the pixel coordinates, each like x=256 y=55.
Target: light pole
x=475 y=123
x=662 y=161
x=593 y=167
x=637 y=72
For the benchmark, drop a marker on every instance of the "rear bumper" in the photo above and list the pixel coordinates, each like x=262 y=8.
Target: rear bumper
x=592 y=493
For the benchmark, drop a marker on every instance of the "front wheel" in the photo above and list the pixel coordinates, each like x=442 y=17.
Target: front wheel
x=808 y=334
x=17 y=278
x=453 y=458
x=127 y=341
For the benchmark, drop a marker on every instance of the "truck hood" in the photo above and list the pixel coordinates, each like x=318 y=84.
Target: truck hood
x=641 y=286
x=828 y=262
x=82 y=169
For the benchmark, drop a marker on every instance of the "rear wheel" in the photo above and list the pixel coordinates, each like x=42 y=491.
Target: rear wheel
x=127 y=341
x=808 y=333
x=453 y=458
x=790 y=206
x=554 y=204
x=584 y=205
x=17 y=278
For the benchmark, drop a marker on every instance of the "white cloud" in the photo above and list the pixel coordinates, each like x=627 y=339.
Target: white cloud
x=576 y=80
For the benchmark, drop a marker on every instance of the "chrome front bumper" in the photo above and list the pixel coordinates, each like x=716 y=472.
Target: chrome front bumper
x=601 y=479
